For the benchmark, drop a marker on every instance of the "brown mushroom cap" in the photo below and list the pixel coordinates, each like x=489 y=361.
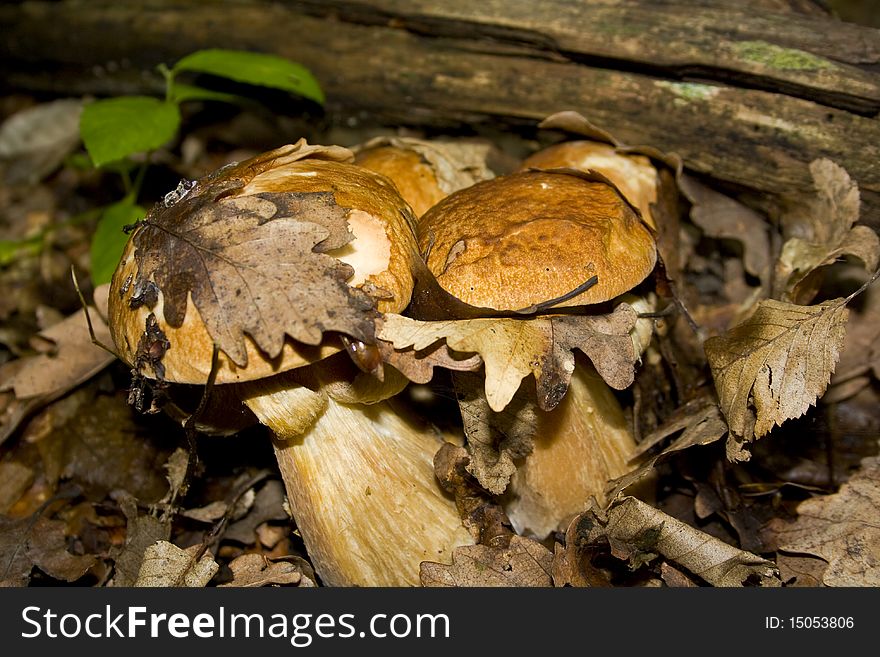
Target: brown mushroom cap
x=634 y=174
x=533 y=236
x=412 y=175
x=381 y=254
x=426 y=171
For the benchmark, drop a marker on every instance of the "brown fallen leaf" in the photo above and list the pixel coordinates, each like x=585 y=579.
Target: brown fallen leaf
x=842 y=529
x=800 y=571
x=234 y=258
x=860 y=359
x=47 y=549
x=42 y=542
x=268 y=505
x=93 y=439
x=480 y=513
x=142 y=531
x=15 y=479
x=723 y=217
x=255 y=570
x=166 y=565
x=523 y=563
x=72 y=359
x=638 y=533
x=15 y=564
x=495 y=439
x=418 y=365
x=702 y=424
x=512 y=349
x=821 y=231
x=774 y=366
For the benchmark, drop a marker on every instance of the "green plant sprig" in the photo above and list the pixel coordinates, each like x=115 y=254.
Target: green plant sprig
x=114 y=130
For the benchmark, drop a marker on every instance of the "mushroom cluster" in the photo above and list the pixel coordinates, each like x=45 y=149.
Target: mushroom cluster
x=269 y=278
x=256 y=278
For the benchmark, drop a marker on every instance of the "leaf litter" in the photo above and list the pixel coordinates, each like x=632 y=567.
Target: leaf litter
x=631 y=529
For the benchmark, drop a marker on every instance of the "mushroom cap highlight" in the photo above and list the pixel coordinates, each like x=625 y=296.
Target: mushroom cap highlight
x=425 y=171
x=412 y=175
x=634 y=174
x=532 y=236
x=381 y=255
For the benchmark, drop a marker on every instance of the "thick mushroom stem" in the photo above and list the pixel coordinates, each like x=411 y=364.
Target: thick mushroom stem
x=360 y=484
x=579 y=447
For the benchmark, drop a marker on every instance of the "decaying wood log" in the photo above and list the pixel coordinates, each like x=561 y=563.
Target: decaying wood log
x=745 y=94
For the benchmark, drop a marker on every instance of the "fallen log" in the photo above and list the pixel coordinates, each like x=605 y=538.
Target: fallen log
x=746 y=94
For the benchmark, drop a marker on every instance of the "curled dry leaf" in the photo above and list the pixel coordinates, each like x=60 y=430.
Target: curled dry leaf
x=268 y=505
x=495 y=439
x=511 y=349
x=822 y=231
x=483 y=517
x=703 y=424
x=773 y=366
x=141 y=532
x=166 y=565
x=418 y=365
x=524 y=563
x=255 y=570
x=842 y=529
x=638 y=532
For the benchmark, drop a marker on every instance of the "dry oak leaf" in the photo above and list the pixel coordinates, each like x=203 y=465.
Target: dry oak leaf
x=822 y=231
x=495 y=440
x=166 y=565
x=637 y=532
x=524 y=563
x=513 y=348
x=774 y=366
x=255 y=570
x=842 y=529
x=241 y=259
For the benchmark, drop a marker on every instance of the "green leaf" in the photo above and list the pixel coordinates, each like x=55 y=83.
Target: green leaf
x=254 y=68
x=119 y=127
x=109 y=239
x=184 y=92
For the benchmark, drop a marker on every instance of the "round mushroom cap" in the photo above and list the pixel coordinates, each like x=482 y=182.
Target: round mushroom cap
x=634 y=174
x=426 y=171
x=411 y=174
x=176 y=344
x=533 y=236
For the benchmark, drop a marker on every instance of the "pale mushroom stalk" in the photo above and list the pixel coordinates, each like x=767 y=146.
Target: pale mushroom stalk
x=360 y=485
x=579 y=447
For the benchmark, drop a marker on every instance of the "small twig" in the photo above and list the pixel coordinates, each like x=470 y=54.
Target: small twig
x=85 y=308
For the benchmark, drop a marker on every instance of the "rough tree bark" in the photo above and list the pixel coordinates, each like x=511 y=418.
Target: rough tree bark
x=747 y=93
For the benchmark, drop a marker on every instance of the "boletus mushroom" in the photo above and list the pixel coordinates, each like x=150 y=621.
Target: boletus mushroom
x=256 y=276
x=516 y=242
x=426 y=171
